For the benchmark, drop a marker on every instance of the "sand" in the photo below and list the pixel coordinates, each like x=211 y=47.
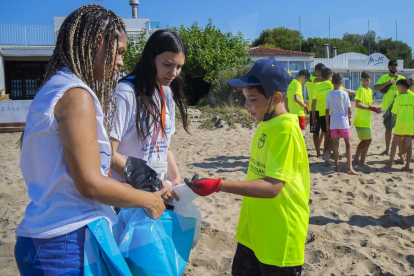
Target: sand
x=359 y=225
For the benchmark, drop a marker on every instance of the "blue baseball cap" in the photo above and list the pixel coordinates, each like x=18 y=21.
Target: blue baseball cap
x=267 y=72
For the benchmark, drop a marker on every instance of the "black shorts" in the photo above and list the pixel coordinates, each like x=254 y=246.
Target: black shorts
x=245 y=263
x=322 y=123
x=312 y=128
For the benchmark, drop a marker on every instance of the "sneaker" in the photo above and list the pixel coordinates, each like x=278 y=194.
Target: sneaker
x=384 y=153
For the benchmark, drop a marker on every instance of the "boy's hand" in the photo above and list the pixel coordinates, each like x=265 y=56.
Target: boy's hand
x=204 y=186
x=328 y=129
x=315 y=123
x=307 y=109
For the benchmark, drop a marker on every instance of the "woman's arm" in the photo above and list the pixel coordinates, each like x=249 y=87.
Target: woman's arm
x=172 y=169
x=76 y=116
x=119 y=161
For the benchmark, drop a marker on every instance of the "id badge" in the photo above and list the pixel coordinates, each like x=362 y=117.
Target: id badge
x=160 y=168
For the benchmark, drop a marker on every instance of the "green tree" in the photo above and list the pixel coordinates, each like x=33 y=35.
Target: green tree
x=133 y=53
x=388 y=47
x=281 y=37
x=209 y=51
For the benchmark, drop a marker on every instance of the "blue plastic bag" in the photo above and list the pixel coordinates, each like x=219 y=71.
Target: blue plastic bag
x=154 y=247
x=102 y=255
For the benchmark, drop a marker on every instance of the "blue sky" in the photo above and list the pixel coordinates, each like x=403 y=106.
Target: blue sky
x=248 y=17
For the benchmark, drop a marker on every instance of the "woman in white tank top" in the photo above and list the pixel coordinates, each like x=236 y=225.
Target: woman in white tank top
x=66 y=152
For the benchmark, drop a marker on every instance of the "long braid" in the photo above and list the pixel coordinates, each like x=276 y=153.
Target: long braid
x=77 y=48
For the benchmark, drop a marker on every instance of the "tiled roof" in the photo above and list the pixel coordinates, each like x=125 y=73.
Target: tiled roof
x=261 y=51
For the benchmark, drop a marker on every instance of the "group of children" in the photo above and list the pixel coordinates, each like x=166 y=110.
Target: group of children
x=330 y=113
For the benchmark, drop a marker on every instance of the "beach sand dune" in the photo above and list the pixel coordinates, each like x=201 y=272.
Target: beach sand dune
x=359 y=225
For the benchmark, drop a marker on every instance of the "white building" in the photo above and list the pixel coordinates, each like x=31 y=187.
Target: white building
x=293 y=60
x=350 y=65
x=25 y=51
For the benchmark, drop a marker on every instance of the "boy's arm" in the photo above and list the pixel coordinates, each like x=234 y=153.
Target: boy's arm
x=350 y=91
x=360 y=105
x=315 y=120
x=260 y=188
x=327 y=119
x=299 y=102
x=349 y=115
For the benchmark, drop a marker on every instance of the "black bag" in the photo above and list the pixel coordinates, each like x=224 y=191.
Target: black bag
x=385 y=89
x=140 y=176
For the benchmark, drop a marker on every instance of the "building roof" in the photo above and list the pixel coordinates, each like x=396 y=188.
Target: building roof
x=262 y=51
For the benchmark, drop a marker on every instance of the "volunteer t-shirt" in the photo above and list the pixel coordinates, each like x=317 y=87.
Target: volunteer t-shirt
x=320 y=93
x=154 y=147
x=363 y=116
x=337 y=101
x=275 y=228
x=404 y=109
x=410 y=92
x=310 y=88
x=388 y=98
x=295 y=88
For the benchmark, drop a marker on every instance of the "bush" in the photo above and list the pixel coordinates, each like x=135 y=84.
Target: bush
x=223 y=95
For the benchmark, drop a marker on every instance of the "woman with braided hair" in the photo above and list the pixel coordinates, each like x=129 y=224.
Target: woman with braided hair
x=147 y=98
x=66 y=152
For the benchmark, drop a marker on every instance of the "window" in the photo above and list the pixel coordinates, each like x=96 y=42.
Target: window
x=296 y=65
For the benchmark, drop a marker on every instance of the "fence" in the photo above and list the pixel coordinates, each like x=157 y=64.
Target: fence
x=27 y=35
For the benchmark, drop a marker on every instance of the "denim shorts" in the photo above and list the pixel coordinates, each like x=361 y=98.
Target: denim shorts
x=62 y=255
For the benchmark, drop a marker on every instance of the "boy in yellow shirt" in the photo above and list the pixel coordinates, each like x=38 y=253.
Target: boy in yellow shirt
x=388 y=80
x=319 y=102
x=274 y=216
x=362 y=121
x=294 y=98
x=310 y=88
x=403 y=111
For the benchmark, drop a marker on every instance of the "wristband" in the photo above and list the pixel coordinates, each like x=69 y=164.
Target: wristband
x=373 y=108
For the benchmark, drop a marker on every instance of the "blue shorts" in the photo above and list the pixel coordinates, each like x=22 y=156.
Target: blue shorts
x=55 y=256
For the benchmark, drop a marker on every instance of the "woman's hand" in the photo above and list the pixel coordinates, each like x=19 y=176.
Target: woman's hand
x=156 y=205
x=169 y=194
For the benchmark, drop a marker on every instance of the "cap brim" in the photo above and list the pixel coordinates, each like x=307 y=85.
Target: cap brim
x=309 y=79
x=241 y=83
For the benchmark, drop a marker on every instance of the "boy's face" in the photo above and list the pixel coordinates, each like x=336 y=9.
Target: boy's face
x=366 y=81
x=256 y=103
x=330 y=78
x=401 y=89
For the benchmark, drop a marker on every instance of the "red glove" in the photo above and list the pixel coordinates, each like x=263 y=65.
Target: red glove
x=307 y=109
x=204 y=186
x=373 y=109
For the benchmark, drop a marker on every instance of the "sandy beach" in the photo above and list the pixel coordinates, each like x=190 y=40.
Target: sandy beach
x=359 y=225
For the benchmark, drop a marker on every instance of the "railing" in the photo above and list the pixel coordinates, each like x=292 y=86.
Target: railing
x=27 y=35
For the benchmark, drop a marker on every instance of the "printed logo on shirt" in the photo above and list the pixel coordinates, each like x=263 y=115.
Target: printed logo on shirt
x=262 y=141
x=105 y=167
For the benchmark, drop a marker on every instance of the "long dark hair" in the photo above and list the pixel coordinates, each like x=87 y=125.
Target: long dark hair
x=145 y=72
x=77 y=48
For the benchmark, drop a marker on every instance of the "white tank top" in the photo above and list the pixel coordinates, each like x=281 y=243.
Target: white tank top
x=56 y=206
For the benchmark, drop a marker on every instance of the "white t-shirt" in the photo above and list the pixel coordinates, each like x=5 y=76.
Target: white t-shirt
x=56 y=207
x=153 y=148
x=337 y=101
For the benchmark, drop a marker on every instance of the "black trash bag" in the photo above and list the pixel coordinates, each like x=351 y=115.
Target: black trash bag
x=140 y=176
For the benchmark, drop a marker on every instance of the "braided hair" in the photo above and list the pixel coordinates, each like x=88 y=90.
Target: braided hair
x=77 y=47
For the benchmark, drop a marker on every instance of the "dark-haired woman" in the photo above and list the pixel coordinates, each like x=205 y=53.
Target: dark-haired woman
x=146 y=108
x=66 y=152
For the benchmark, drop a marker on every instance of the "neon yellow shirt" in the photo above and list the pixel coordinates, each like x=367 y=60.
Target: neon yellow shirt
x=389 y=97
x=310 y=87
x=295 y=88
x=320 y=95
x=275 y=228
x=410 y=92
x=404 y=109
x=363 y=116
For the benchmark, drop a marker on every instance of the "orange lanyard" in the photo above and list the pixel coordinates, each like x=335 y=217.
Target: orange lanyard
x=162 y=113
